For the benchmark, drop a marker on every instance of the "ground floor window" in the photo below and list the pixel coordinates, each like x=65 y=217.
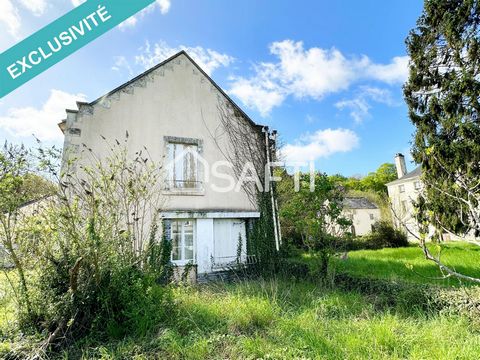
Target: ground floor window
x=182 y=234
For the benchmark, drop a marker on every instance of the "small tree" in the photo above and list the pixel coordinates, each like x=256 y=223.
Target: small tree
x=316 y=213
x=19 y=185
x=14 y=168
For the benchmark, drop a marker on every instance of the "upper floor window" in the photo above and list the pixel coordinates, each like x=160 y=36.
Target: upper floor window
x=417 y=185
x=401 y=188
x=183 y=172
x=372 y=217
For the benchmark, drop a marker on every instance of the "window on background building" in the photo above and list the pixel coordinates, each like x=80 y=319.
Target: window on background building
x=401 y=188
x=417 y=185
x=182 y=235
x=372 y=217
x=183 y=166
x=404 y=206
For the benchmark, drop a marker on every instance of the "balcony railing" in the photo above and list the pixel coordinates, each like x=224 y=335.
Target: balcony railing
x=184 y=184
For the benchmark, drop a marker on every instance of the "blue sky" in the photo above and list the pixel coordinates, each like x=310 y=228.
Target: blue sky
x=326 y=74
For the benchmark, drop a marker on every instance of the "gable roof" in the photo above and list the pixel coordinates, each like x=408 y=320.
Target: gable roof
x=358 y=203
x=412 y=175
x=182 y=52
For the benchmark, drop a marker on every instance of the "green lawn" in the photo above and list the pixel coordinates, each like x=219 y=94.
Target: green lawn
x=280 y=319
x=409 y=263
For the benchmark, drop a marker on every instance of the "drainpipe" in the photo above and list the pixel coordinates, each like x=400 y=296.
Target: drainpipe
x=274 y=210
x=279 y=227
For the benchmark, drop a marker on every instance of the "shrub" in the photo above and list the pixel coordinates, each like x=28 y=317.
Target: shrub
x=97 y=265
x=106 y=295
x=421 y=297
x=294 y=268
x=385 y=235
x=403 y=296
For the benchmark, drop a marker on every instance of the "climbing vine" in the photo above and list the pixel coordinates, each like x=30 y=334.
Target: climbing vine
x=243 y=142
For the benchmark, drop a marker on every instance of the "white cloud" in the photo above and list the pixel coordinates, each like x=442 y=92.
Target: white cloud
x=394 y=73
x=360 y=106
x=256 y=95
x=41 y=122
x=78 y=2
x=163 y=5
x=10 y=18
x=309 y=73
x=130 y=22
x=320 y=144
x=37 y=7
x=209 y=60
x=383 y=96
x=121 y=62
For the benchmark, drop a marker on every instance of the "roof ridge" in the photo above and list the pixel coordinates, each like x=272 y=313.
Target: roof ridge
x=417 y=172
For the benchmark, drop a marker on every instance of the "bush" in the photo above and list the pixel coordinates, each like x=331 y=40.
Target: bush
x=294 y=268
x=420 y=297
x=401 y=295
x=383 y=235
x=111 y=300
x=98 y=267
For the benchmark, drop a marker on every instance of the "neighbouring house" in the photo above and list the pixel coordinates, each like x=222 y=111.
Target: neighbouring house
x=402 y=193
x=362 y=212
x=187 y=121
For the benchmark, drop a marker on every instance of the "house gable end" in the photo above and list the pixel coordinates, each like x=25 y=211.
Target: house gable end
x=142 y=80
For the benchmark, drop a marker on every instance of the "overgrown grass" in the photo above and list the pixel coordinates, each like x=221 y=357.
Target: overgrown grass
x=284 y=320
x=409 y=264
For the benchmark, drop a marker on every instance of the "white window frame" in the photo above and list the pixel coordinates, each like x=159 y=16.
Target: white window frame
x=401 y=188
x=417 y=185
x=182 y=260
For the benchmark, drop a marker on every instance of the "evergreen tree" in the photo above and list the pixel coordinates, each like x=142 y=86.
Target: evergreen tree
x=443 y=94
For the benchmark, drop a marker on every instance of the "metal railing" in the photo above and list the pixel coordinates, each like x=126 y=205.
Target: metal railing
x=184 y=184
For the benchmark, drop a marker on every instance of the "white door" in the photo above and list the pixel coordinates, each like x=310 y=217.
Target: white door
x=229 y=237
